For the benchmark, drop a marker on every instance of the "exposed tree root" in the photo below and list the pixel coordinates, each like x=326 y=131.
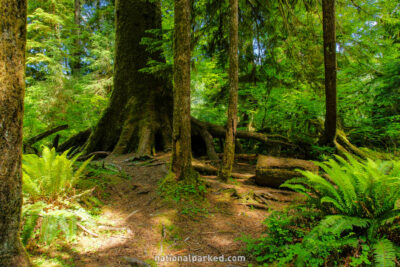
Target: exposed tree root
x=342 y=143
x=205 y=130
x=219 y=131
x=344 y=146
x=97 y=154
x=76 y=141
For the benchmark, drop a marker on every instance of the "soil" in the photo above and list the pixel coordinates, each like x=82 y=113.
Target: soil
x=140 y=225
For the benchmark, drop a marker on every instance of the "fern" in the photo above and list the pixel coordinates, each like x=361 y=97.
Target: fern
x=358 y=198
x=56 y=223
x=385 y=253
x=47 y=222
x=30 y=215
x=366 y=189
x=50 y=176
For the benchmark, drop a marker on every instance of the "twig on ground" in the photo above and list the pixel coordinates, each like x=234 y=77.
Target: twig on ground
x=87 y=230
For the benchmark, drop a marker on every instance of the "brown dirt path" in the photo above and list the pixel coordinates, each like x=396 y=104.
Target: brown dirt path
x=142 y=226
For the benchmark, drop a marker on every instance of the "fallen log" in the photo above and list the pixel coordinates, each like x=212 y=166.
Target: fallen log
x=219 y=131
x=28 y=143
x=208 y=169
x=247 y=157
x=274 y=171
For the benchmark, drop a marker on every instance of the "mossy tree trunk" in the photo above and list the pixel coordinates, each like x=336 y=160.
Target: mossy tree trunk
x=140 y=108
x=329 y=32
x=181 y=135
x=229 y=147
x=12 y=87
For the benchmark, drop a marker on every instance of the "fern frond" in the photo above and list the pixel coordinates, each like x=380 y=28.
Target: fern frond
x=385 y=253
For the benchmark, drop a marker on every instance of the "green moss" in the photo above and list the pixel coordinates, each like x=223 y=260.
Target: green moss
x=187 y=194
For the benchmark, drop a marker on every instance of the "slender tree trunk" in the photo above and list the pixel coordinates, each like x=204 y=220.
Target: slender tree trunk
x=140 y=108
x=76 y=60
x=181 y=139
x=12 y=86
x=329 y=27
x=229 y=148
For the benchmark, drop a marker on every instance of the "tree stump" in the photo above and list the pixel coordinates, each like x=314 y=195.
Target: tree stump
x=273 y=171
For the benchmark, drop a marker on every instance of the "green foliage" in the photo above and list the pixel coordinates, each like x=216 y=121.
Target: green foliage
x=50 y=211
x=358 y=198
x=287 y=239
x=188 y=193
x=182 y=190
x=50 y=176
x=385 y=253
x=54 y=94
x=44 y=222
x=360 y=188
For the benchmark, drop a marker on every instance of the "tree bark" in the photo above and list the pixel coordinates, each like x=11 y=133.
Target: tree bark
x=229 y=147
x=12 y=87
x=329 y=31
x=140 y=108
x=181 y=135
x=75 y=141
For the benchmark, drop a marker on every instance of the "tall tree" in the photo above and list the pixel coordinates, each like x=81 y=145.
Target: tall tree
x=229 y=148
x=329 y=28
x=181 y=135
x=12 y=87
x=140 y=108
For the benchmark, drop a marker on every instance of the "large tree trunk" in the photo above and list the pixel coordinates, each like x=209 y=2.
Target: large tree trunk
x=181 y=135
x=229 y=148
x=140 y=108
x=12 y=86
x=329 y=27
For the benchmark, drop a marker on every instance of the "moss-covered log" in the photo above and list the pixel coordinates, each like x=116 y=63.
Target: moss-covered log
x=273 y=171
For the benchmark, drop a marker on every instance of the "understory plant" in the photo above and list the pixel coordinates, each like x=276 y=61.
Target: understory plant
x=50 y=176
x=50 y=206
x=188 y=193
x=357 y=222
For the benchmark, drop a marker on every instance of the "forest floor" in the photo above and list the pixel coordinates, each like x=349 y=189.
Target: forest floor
x=140 y=225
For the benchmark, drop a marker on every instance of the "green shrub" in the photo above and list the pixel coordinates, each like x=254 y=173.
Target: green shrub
x=51 y=176
x=188 y=194
x=50 y=211
x=358 y=199
x=44 y=222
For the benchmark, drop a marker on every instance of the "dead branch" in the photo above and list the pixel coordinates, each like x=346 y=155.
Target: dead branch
x=37 y=138
x=87 y=230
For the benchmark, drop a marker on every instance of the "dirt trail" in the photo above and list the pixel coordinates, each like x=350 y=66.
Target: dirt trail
x=142 y=226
